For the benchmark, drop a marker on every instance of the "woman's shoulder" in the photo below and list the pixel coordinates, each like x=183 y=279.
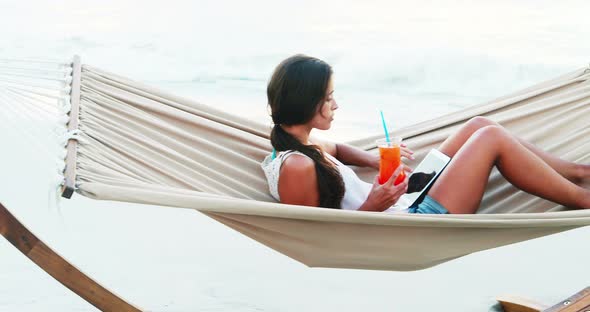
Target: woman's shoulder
x=286 y=162
x=298 y=182
x=297 y=171
x=297 y=164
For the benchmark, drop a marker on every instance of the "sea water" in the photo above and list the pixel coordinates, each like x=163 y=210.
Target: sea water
x=413 y=60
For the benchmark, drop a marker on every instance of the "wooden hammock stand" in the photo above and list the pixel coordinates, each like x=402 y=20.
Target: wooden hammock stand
x=59 y=268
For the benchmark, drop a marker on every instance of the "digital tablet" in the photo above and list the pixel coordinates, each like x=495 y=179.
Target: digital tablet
x=431 y=167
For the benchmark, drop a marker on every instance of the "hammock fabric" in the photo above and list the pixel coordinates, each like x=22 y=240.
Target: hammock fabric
x=141 y=145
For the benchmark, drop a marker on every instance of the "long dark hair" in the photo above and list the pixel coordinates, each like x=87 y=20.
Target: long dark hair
x=296 y=91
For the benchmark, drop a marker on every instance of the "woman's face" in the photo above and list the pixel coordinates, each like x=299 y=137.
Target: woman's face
x=325 y=114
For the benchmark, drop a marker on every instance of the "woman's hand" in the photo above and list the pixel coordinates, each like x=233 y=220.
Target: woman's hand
x=383 y=196
x=407 y=153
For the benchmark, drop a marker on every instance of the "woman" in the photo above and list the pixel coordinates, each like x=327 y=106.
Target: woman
x=301 y=172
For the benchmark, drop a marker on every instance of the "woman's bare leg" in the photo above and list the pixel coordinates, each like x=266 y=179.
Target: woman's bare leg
x=461 y=186
x=571 y=171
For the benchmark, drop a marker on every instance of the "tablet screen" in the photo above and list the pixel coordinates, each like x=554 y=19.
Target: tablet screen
x=425 y=173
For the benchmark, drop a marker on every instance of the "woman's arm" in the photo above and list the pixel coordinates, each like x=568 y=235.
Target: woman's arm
x=350 y=155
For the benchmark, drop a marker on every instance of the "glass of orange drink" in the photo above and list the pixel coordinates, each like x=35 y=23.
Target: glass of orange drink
x=390 y=159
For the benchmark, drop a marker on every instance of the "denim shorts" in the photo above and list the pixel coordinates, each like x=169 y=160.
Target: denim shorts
x=430 y=206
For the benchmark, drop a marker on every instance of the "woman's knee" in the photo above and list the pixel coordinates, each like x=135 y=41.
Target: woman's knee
x=491 y=135
x=479 y=122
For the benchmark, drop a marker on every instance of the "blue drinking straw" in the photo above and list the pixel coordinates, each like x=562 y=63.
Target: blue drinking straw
x=384 y=127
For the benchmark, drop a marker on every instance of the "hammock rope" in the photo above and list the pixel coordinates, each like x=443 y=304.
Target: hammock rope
x=33 y=91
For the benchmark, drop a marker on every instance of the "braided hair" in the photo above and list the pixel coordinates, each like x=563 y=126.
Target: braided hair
x=296 y=91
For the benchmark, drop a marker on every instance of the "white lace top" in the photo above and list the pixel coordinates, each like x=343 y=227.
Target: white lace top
x=356 y=190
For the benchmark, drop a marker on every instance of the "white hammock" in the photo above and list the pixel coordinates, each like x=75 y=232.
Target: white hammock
x=138 y=144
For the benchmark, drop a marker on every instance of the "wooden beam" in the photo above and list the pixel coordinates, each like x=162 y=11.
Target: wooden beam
x=70 y=172
x=580 y=302
x=56 y=266
x=519 y=304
